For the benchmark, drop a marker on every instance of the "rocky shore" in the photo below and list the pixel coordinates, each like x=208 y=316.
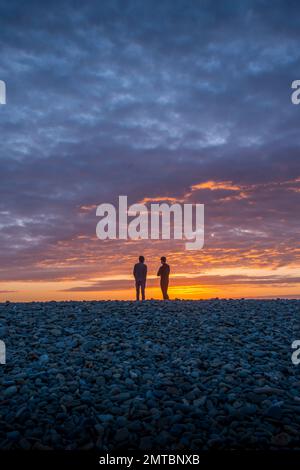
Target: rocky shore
x=153 y=375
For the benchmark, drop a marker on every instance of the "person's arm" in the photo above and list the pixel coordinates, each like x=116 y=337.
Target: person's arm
x=159 y=272
x=134 y=271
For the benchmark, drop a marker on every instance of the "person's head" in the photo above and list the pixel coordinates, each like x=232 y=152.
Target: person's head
x=163 y=259
x=141 y=259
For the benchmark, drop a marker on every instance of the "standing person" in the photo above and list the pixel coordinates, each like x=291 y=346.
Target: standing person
x=140 y=275
x=164 y=272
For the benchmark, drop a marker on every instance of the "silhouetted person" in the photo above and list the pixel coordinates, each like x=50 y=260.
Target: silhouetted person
x=164 y=272
x=140 y=275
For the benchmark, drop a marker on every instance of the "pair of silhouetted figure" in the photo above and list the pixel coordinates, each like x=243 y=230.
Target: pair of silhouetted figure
x=140 y=275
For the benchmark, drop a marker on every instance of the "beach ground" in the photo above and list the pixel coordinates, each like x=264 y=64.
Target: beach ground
x=105 y=375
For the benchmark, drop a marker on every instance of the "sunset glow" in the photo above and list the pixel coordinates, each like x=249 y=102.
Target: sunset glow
x=185 y=115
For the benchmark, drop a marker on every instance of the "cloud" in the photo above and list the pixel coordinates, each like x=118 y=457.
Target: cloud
x=204 y=280
x=171 y=101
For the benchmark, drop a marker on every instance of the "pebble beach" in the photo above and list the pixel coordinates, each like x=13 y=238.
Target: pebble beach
x=105 y=375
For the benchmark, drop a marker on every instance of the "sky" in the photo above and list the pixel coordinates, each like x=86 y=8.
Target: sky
x=180 y=100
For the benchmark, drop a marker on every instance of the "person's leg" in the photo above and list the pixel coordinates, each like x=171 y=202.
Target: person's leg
x=137 y=286
x=143 y=285
x=164 y=289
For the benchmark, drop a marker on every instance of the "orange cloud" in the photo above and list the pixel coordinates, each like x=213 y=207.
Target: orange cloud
x=216 y=185
x=145 y=200
x=88 y=208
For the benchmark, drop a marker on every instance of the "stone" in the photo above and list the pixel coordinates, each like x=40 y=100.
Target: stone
x=274 y=412
x=122 y=434
x=13 y=435
x=150 y=375
x=10 y=391
x=146 y=443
